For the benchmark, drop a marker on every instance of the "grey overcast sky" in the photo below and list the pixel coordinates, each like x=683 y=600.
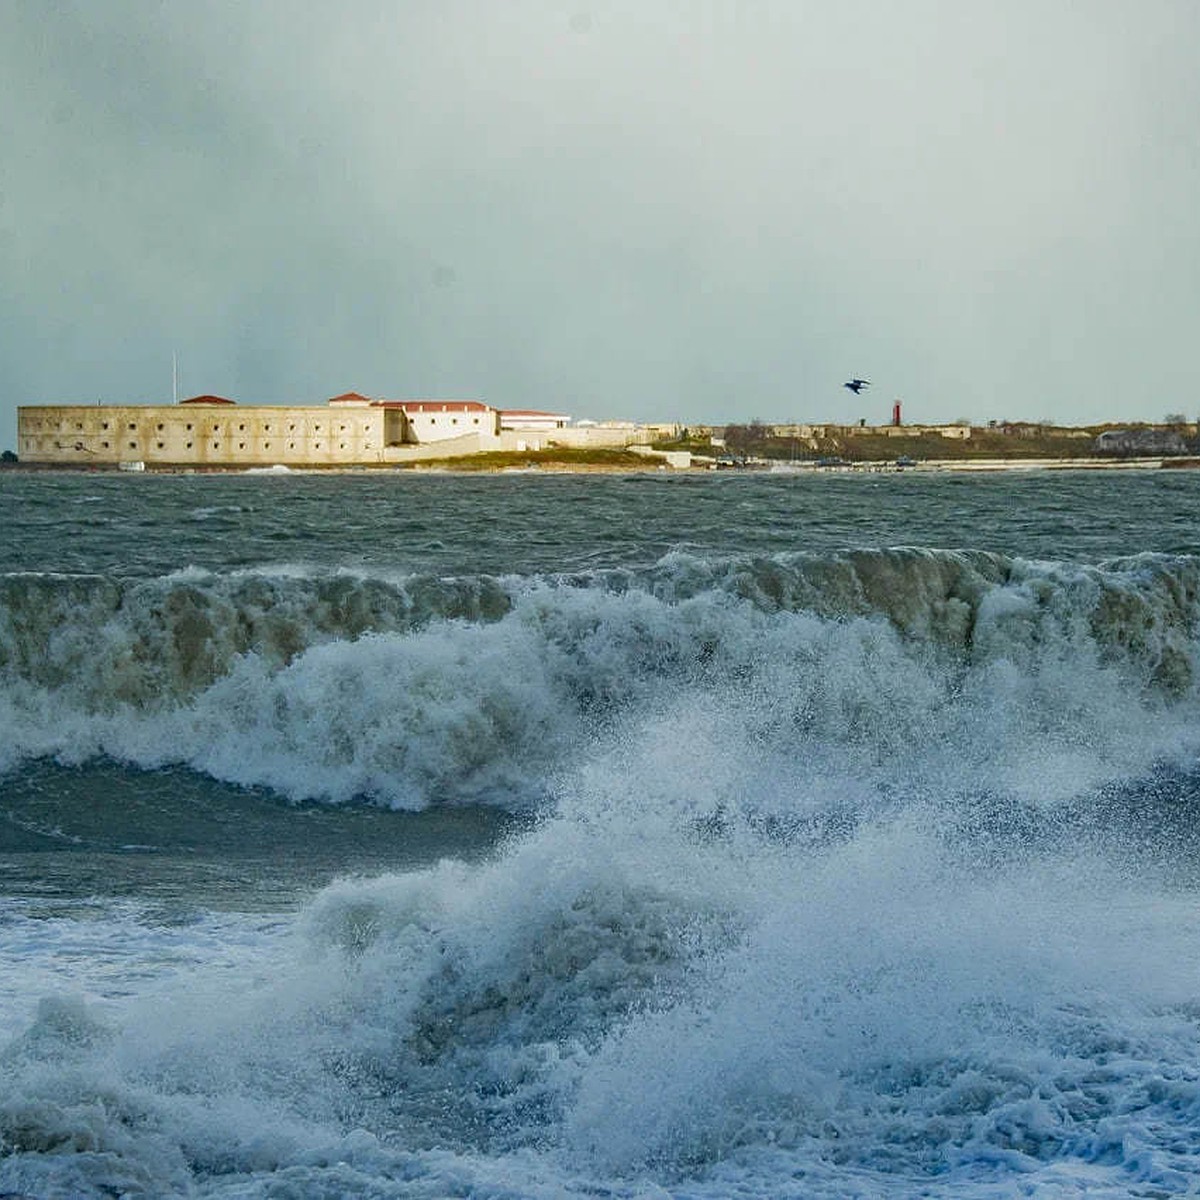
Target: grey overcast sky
x=714 y=210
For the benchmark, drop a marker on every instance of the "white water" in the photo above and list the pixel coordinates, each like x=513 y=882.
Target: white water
x=1044 y=679
x=624 y=996
x=843 y=884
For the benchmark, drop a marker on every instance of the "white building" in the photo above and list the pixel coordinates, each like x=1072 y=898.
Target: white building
x=440 y=420
x=532 y=420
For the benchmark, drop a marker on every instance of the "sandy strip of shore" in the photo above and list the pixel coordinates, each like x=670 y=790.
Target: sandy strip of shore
x=966 y=465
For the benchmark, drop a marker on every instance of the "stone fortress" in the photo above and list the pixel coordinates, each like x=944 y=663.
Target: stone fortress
x=356 y=431
x=350 y=430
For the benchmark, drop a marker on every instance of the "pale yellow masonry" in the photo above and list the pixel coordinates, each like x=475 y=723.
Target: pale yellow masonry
x=199 y=435
x=351 y=430
x=219 y=433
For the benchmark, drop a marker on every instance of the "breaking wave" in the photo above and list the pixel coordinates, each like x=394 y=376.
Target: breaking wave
x=655 y=991
x=846 y=878
x=420 y=690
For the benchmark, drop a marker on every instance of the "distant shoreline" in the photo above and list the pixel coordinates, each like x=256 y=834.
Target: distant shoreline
x=651 y=467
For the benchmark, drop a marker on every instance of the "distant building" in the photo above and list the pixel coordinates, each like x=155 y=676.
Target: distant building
x=1145 y=441
x=956 y=432
x=427 y=421
x=349 y=430
x=531 y=420
x=211 y=431
x=203 y=431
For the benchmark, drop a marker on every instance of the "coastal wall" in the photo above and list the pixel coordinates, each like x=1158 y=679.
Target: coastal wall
x=598 y=437
x=468 y=443
x=234 y=435
x=199 y=435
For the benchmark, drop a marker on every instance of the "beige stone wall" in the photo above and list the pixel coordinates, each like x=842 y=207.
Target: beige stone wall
x=471 y=443
x=442 y=425
x=954 y=432
x=199 y=435
x=662 y=432
x=801 y=431
x=676 y=459
x=587 y=437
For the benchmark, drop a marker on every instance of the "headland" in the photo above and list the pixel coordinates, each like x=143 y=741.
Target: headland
x=354 y=432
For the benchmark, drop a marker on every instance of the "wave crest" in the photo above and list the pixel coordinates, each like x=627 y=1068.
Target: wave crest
x=421 y=690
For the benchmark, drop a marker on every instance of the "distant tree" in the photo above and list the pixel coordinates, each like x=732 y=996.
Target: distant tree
x=737 y=437
x=8 y=456
x=1175 y=419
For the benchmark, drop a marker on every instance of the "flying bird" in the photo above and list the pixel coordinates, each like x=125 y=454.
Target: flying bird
x=857 y=385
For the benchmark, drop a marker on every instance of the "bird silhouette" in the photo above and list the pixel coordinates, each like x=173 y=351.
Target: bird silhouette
x=857 y=385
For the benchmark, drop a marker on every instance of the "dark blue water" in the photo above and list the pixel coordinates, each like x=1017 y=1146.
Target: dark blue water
x=524 y=523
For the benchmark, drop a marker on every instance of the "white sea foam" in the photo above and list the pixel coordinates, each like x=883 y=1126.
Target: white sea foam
x=641 y=998
x=821 y=901
x=1045 y=680
x=866 y=873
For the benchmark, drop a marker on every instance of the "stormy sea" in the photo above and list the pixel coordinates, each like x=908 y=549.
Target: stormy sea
x=536 y=836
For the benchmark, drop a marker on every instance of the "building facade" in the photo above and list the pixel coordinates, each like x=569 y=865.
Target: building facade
x=212 y=432
x=206 y=431
x=1131 y=442
x=532 y=420
x=426 y=421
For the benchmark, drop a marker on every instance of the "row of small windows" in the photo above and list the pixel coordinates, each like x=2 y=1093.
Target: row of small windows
x=30 y=442
x=159 y=426
x=36 y=424
x=30 y=445
x=214 y=430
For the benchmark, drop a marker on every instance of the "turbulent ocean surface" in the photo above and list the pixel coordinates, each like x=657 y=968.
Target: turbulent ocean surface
x=625 y=836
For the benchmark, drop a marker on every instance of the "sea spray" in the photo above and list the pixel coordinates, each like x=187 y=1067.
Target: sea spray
x=835 y=872
x=629 y=991
x=486 y=689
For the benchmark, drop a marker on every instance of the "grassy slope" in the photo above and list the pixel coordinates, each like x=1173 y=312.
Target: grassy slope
x=982 y=443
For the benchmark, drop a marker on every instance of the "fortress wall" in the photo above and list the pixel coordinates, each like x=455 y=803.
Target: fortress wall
x=198 y=435
x=587 y=437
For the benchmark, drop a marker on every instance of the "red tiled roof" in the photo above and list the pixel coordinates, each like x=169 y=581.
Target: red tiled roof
x=350 y=398
x=207 y=400
x=434 y=406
